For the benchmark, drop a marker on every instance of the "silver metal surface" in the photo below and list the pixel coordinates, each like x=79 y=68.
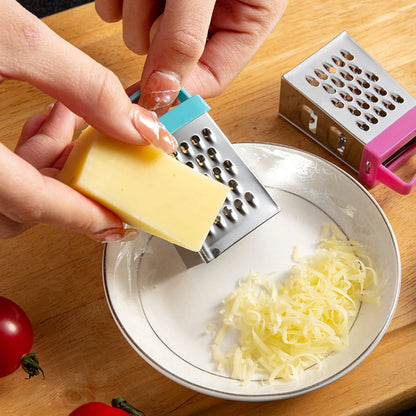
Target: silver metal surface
x=204 y=147
x=342 y=98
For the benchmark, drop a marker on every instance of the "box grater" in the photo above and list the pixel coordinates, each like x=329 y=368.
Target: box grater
x=204 y=147
x=344 y=100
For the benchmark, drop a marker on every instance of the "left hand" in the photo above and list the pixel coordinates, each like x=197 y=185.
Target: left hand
x=31 y=194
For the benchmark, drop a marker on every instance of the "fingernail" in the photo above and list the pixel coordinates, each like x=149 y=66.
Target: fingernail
x=160 y=91
x=48 y=108
x=113 y=235
x=153 y=131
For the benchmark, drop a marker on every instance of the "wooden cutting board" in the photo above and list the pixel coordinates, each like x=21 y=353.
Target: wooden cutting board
x=55 y=275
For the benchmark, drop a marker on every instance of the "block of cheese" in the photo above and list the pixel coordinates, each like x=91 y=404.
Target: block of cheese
x=145 y=187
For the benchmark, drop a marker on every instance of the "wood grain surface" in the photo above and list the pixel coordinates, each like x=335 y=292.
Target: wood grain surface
x=55 y=274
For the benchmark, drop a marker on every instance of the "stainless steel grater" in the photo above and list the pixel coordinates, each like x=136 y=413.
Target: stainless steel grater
x=204 y=147
x=344 y=100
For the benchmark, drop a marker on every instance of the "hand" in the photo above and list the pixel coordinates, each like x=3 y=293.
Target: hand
x=201 y=44
x=31 y=52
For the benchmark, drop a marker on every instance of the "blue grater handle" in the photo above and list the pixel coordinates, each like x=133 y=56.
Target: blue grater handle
x=190 y=108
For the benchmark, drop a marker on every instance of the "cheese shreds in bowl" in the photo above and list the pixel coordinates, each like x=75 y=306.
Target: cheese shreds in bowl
x=286 y=328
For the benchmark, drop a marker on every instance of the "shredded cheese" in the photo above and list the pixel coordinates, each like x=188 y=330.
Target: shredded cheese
x=286 y=328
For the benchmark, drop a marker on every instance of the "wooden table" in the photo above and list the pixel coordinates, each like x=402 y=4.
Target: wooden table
x=55 y=274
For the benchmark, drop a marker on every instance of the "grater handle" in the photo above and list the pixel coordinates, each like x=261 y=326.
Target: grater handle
x=190 y=108
x=398 y=141
x=390 y=179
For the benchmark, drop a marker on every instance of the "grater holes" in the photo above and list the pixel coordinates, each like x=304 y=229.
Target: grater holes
x=354 y=110
x=338 y=61
x=229 y=213
x=346 y=96
x=207 y=133
x=372 y=119
x=196 y=141
x=363 y=82
x=217 y=172
x=233 y=184
x=321 y=74
x=219 y=221
x=347 y=55
x=363 y=126
x=389 y=105
x=337 y=103
x=190 y=164
x=346 y=75
x=371 y=97
x=200 y=159
x=398 y=98
x=338 y=82
x=380 y=90
x=215 y=252
x=329 y=88
x=355 y=69
x=313 y=81
x=363 y=104
x=212 y=153
x=371 y=76
x=330 y=68
x=249 y=197
x=354 y=89
x=239 y=206
x=229 y=167
x=184 y=147
x=380 y=112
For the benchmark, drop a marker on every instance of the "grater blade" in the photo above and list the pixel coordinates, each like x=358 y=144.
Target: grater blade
x=343 y=99
x=204 y=147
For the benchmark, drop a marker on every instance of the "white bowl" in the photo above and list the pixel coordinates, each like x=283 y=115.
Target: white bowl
x=164 y=309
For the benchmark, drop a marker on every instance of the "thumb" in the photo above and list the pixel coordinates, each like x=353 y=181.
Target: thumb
x=178 y=41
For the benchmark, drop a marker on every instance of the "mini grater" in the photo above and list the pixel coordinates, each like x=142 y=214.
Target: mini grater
x=344 y=100
x=204 y=147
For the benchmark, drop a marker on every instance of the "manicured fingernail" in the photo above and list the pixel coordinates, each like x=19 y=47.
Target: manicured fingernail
x=113 y=235
x=160 y=91
x=153 y=131
x=48 y=108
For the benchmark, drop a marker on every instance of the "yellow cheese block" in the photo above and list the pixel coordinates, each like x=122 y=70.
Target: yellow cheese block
x=145 y=187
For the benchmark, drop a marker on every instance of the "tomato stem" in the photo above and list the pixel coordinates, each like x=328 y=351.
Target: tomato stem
x=30 y=365
x=121 y=403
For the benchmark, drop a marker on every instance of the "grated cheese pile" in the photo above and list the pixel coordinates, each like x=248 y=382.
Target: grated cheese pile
x=286 y=328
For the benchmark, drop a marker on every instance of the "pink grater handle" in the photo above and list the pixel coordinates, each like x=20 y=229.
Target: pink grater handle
x=384 y=145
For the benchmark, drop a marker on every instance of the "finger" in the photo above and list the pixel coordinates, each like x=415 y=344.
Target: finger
x=31 y=127
x=10 y=228
x=138 y=18
x=176 y=47
x=226 y=55
x=54 y=134
x=130 y=90
x=82 y=84
x=30 y=198
x=234 y=39
x=109 y=10
x=235 y=35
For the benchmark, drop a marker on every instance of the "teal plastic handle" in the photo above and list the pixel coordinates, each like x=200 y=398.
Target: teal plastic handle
x=190 y=108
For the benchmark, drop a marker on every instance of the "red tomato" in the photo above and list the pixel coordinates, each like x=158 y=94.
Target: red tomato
x=119 y=407
x=97 y=409
x=16 y=339
x=16 y=336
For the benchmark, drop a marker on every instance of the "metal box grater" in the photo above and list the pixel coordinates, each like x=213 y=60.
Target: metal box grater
x=204 y=147
x=344 y=100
